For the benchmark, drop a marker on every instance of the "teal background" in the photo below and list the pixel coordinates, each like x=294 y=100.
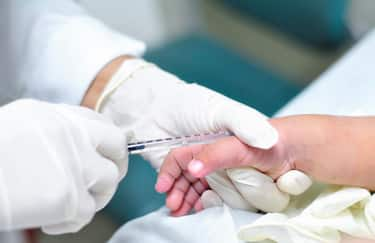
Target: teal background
x=320 y=23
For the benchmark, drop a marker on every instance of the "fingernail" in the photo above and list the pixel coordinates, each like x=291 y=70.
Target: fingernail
x=195 y=166
x=162 y=184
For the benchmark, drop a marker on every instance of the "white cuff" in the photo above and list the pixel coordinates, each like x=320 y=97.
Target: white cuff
x=125 y=72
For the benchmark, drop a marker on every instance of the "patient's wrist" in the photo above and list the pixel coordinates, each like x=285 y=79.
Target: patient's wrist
x=289 y=138
x=104 y=76
x=302 y=138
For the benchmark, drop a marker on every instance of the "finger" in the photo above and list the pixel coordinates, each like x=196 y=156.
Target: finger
x=190 y=177
x=253 y=184
x=200 y=186
x=198 y=206
x=223 y=186
x=294 y=182
x=177 y=194
x=190 y=199
x=224 y=153
x=110 y=142
x=101 y=180
x=247 y=124
x=174 y=165
x=191 y=196
x=183 y=210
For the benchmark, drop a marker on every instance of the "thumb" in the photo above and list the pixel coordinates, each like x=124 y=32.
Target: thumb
x=294 y=182
x=225 y=153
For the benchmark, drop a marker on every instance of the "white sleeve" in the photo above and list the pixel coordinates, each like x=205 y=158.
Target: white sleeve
x=54 y=49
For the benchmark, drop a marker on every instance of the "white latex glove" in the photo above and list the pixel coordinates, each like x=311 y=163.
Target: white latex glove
x=59 y=165
x=149 y=103
x=326 y=213
x=248 y=189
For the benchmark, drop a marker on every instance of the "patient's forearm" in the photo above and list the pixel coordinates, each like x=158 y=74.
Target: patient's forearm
x=332 y=149
x=97 y=86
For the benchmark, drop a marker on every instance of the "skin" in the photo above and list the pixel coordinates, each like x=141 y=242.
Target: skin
x=331 y=149
x=102 y=78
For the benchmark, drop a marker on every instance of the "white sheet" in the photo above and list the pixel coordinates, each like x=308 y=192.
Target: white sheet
x=217 y=225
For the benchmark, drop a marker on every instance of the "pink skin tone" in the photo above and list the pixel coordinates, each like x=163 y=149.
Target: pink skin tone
x=182 y=173
x=336 y=150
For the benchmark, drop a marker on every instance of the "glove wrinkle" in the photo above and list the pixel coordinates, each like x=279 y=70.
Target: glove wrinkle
x=56 y=178
x=153 y=104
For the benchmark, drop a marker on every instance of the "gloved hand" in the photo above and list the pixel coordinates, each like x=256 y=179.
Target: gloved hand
x=228 y=168
x=59 y=165
x=149 y=103
x=240 y=188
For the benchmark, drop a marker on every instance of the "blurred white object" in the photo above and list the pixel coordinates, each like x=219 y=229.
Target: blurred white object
x=153 y=22
x=13 y=237
x=243 y=188
x=224 y=189
x=361 y=17
x=53 y=50
x=253 y=184
x=294 y=182
x=318 y=219
x=60 y=164
x=346 y=88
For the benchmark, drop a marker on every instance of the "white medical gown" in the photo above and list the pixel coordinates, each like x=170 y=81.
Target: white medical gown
x=218 y=225
x=52 y=50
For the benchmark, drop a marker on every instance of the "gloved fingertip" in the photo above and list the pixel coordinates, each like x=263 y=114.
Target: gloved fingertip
x=63 y=228
x=267 y=139
x=294 y=182
x=264 y=136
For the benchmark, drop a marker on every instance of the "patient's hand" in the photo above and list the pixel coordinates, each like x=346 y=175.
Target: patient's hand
x=183 y=189
x=300 y=138
x=332 y=149
x=183 y=166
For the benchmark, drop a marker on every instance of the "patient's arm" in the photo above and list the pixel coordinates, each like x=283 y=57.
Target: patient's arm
x=337 y=150
x=332 y=149
x=183 y=190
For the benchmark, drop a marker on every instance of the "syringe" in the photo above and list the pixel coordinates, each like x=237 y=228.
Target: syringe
x=174 y=142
